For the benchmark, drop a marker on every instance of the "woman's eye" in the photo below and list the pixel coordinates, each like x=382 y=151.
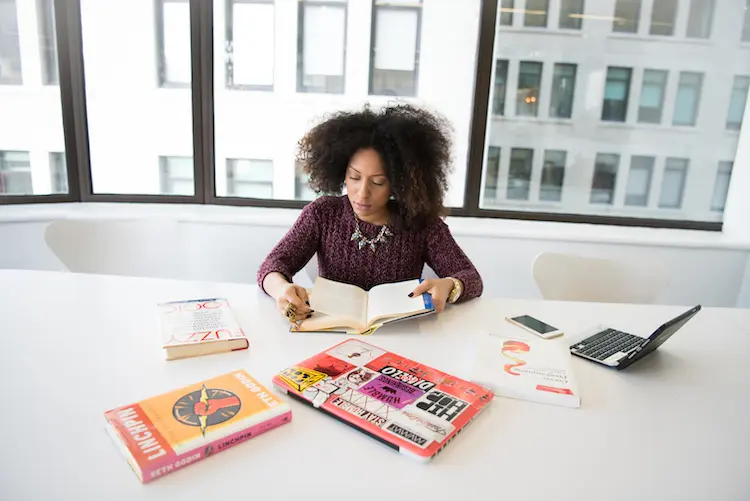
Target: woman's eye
x=378 y=184
x=354 y=178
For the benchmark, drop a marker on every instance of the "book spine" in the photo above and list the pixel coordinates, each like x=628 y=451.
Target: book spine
x=176 y=462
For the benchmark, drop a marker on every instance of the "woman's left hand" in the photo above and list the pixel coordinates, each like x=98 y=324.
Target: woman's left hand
x=438 y=288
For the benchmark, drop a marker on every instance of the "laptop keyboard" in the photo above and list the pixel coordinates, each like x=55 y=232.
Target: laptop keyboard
x=604 y=344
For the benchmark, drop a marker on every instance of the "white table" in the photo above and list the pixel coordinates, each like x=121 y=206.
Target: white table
x=675 y=425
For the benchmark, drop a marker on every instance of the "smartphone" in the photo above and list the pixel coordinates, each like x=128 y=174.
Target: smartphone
x=536 y=326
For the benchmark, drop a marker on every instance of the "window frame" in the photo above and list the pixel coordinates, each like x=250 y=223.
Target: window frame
x=68 y=33
x=301 y=4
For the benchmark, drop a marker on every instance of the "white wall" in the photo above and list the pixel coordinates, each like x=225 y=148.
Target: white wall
x=232 y=249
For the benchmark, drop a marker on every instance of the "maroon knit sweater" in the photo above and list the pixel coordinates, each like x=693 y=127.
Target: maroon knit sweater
x=325 y=227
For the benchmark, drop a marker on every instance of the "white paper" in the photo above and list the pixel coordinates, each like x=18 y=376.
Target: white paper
x=323 y=40
x=393 y=299
x=177 y=42
x=252 y=43
x=395 y=39
x=339 y=300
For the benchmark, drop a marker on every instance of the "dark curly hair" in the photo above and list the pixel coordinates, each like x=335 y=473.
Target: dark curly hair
x=414 y=146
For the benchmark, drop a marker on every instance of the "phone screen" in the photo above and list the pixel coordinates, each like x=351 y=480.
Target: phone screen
x=534 y=324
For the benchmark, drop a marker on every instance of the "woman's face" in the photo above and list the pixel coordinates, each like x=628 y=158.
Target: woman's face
x=367 y=186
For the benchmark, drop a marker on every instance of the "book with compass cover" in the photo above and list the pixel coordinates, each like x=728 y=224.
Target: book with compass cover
x=167 y=432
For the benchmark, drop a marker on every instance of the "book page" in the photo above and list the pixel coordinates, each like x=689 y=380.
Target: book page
x=393 y=300
x=196 y=321
x=339 y=300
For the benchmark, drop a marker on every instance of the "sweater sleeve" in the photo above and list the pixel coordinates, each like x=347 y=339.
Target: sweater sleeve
x=447 y=259
x=296 y=248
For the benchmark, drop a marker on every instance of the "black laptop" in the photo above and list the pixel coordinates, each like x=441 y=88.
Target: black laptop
x=617 y=349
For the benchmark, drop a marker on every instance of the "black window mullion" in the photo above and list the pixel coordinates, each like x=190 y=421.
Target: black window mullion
x=201 y=41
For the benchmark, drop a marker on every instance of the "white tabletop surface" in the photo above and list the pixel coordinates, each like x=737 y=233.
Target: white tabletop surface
x=675 y=425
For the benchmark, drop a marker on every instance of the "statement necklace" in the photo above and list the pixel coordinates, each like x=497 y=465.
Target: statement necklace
x=362 y=240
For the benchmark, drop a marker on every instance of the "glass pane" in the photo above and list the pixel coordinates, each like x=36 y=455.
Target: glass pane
x=746 y=23
x=652 y=96
x=138 y=96
x=627 y=16
x=663 y=17
x=529 y=80
x=536 y=13
x=506 y=13
x=345 y=53
x=721 y=187
x=58 y=172
x=321 y=50
x=571 y=14
x=701 y=18
x=30 y=110
x=563 y=89
x=501 y=78
x=737 y=102
x=621 y=123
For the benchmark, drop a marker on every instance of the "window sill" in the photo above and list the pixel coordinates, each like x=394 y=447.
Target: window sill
x=705 y=42
x=460 y=226
x=534 y=30
x=568 y=122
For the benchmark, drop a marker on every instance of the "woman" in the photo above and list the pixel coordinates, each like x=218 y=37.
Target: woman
x=394 y=164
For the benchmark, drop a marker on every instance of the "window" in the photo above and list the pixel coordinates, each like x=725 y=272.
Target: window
x=688 y=98
x=721 y=187
x=571 y=14
x=395 y=48
x=492 y=174
x=746 y=24
x=663 y=17
x=250 y=178
x=15 y=173
x=553 y=174
x=673 y=183
x=605 y=176
x=48 y=42
x=529 y=81
x=322 y=46
x=10 y=49
x=535 y=15
x=652 y=96
x=249 y=46
x=501 y=78
x=563 y=89
x=173 y=28
x=302 y=190
x=701 y=18
x=176 y=175
x=627 y=16
x=737 y=102
x=58 y=173
x=506 y=13
x=616 y=92
x=519 y=175
x=639 y=181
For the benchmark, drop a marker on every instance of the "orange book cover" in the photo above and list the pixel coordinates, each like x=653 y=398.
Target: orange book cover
x=168 y=431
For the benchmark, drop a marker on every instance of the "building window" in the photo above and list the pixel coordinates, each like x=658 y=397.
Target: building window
x=249 y=178
x=536 y=12
x=616 y=94
x=519 y=174
x=663 y=17
x=492 y=174
x=48 y=42
x=176 y=176
x=746 y=24
x=529 y=81
x=721 y=186
x=673 y=183
x=10 y=49
x=652 y=96
x=553 y=174
x=395 y=48
x=737 y=102
x=639 y=181
x=688 y=98
x=249 y=45
x=571 y=14
x=605 y=177
x=58 y=172
x=321 y=51
x=563 y=89
x=173 y=34
x=302 y=190
x=501 y=79
x=15 y=173
x=701 y=19
x=506 y=13
x=627 y=16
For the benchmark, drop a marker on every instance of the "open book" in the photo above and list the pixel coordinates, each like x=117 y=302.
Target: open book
x=347 y=308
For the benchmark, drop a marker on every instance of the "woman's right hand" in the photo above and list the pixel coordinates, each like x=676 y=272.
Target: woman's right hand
x=296 y=296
